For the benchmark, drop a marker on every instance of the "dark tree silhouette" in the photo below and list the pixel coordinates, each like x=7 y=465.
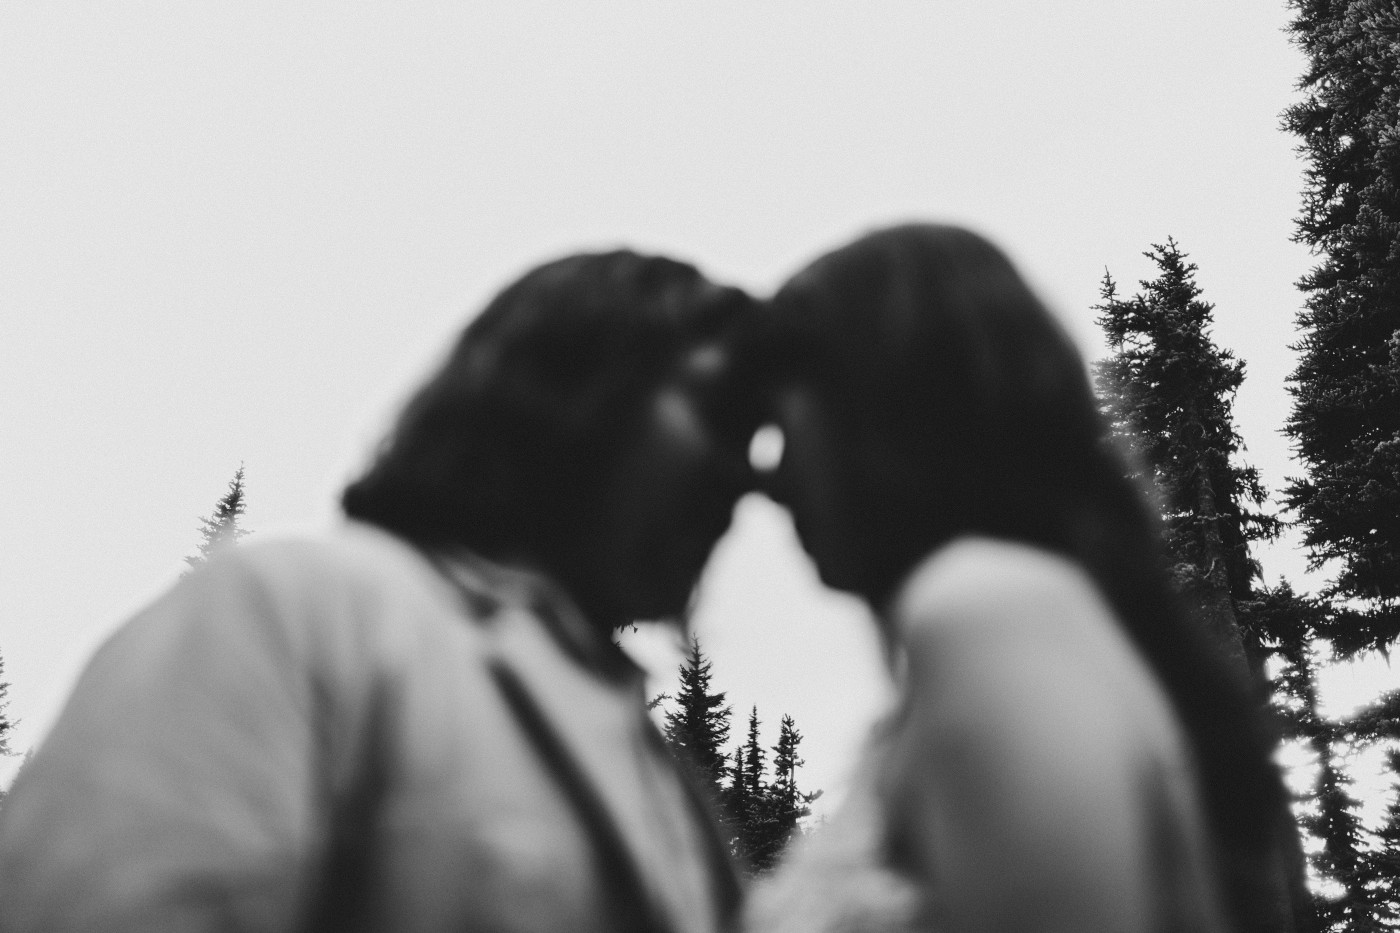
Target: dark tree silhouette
x=6 y=724
x=1168 y=391
x=221 y=529
x=760 y=816
x=1345 y=423
x=698 y=727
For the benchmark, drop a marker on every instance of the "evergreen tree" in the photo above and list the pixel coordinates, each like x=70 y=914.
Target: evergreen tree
x=1168 y=391
x=1385 y=858
x=1345 y=422
x=735 y=803
x=761 y=816
x=753 y=810
x=1341 y=859
x=699 y=726
x=1329 y=812
x=746 y=789
x=1374 y=888
x=790 y=803
x=6 y=724
x=754 y=758
x=221 y=529
x=736 y=796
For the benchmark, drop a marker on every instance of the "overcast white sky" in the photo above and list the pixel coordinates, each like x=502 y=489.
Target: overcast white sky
x=240 y=232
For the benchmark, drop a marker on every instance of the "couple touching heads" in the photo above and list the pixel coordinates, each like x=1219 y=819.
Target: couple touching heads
x=420 y=721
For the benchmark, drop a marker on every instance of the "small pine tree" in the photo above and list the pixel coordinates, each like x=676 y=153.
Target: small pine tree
x=221 y=529
x=6 y=724
x=752 y=810
x=699 y=726
x=737 y=795
x=760 y=817
x=754 y=757
x=791 y=805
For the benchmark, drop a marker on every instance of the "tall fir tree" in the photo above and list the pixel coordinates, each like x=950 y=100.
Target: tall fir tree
x=698 y=727
x=1168 y=391
x=1345 y=422
x=221 y=529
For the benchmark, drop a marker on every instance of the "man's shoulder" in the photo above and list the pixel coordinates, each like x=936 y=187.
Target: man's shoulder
x=350 y=555
x=351 y=592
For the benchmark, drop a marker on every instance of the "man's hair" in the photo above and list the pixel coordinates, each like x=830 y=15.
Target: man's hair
x=506 y=442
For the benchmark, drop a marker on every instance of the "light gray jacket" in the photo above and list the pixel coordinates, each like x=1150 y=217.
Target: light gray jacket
x=344 y=734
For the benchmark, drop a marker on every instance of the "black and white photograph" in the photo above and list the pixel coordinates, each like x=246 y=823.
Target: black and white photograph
x=794 y=466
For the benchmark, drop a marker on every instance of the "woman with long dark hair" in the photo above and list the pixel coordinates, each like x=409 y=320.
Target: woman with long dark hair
x=1070 y=751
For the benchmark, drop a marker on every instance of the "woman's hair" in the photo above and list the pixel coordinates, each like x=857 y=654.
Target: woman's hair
x=967 y=409
x=503 y=447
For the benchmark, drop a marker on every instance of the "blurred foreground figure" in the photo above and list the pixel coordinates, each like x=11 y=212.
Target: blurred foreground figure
x=1068 y=752
x=419 y=722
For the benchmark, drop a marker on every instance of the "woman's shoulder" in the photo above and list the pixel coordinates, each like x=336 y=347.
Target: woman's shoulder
x=982 y=580
x=1001 y=623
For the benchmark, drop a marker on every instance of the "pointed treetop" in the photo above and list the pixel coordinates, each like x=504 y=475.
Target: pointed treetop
x=699 y=727
x=6 y=723
x=220 y=529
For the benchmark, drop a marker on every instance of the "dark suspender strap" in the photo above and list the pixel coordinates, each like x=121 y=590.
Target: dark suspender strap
x=345 y=891
x=618 y=875
x=724 y=879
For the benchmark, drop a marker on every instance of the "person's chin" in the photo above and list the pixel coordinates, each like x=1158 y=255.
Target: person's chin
x=833 y=578
x=832 y=570
x=687 y=579
x=812 y=546
x=664 y=609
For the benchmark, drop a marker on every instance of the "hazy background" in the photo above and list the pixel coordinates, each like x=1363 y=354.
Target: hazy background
x=239 y=233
